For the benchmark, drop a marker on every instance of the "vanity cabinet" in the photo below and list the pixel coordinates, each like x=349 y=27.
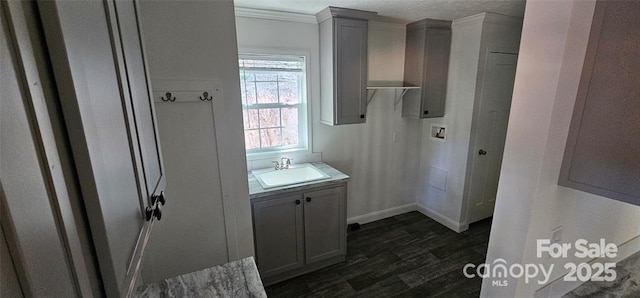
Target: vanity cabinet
x=299 y=232
x=343 y=65
x=426 y=65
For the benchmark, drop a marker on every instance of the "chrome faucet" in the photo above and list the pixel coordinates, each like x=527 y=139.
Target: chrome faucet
x=284 y=163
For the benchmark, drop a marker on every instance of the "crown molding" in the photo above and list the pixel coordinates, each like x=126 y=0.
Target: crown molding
x=348 y=13
x=286 y=16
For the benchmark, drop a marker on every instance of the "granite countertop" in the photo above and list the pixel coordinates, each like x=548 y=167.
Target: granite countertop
x=626 y=284
x=234 y=279
x=256 y=190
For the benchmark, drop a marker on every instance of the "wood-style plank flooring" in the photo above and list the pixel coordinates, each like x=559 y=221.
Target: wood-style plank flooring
x=408 y=255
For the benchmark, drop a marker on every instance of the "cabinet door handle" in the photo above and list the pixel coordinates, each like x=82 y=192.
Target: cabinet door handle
x=148 y=213
x=158 y=213
x=426 y=112
x=308 y=199
x=298 y=202
x=482 y=152
x=159 y=198
x=361 y=116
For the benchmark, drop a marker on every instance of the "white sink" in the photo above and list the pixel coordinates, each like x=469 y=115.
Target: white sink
x=300 y=173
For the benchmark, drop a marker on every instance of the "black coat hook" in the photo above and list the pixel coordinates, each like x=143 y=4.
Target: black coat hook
x=206 y=96
x=169 y=98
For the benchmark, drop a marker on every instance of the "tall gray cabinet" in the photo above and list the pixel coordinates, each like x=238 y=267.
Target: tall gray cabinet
x=343 y=65
x=299 y=231
x=426 y=65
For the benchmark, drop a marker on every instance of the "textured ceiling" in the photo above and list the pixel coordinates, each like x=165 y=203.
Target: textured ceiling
x=402 y=11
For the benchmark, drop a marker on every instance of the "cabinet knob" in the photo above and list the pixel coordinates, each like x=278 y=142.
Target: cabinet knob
x=158 y=212
x=308 y=199
x=362 y=116
x=148 y=213
x=159 y=198
x=426 y=112
x=298 y=202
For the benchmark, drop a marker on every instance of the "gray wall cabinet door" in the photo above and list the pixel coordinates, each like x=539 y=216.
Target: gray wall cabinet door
x=426 y=65
x=99 y=66
x=351 y=70
x=324 y=224
x=343 y=73
x=279 y=234
x=602 y=155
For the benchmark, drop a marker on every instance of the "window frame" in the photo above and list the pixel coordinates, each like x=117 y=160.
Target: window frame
x=304 y=111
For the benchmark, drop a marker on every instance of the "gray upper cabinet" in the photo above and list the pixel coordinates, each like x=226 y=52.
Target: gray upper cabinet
x=97 y=58
x=426 y=65
x=603 y=146
x=343 y=65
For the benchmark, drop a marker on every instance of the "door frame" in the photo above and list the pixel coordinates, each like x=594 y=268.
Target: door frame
x=482 y=68
x=57 y=170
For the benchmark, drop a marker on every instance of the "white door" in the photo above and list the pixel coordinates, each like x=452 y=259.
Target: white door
x=490 y=134
x=99 y=66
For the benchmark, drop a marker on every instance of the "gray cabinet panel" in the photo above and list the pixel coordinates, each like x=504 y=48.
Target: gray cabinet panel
x=351 y=70
x=279 y=233
x=428 y=43
x=324 y=224
x=300 y=231
x=98 y=63
x=603 y=147
x=343 y=65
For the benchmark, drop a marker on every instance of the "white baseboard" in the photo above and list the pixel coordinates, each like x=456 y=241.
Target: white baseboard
x=560 y=287
x=444 y=220
x=377 y=215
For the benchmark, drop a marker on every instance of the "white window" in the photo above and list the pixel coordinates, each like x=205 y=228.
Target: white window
x=273 y=103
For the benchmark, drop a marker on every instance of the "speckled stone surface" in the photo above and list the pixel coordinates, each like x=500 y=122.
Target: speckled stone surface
x=235 y=279
x=256 y=190
x=627 y=283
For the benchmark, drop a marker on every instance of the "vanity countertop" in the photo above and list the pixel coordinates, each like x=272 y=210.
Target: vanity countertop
x=234 y=279
x=256 y=190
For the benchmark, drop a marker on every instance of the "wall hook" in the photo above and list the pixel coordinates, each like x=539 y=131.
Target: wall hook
x=169 y=98
x=206 y=96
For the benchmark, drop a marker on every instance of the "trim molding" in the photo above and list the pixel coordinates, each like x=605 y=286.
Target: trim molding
x=444 y=220
x=377 y=215
x=286 y=16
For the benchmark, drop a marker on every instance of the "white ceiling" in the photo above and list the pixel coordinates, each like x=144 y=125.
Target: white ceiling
x=402 y=11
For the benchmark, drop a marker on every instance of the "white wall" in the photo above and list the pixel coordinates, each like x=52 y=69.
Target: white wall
x=383 y=173
x=451 y=156
x=471 y=38
x=197 y=40
x=530 y=204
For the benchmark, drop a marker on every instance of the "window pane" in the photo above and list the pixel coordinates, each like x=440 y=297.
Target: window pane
x=251 y=139
x=289 y=116
x=271 y=94
x=290 y=136
x=269 y=118
x=289 y=88
x=248 y=88
x=271 y=137
x=252 y=120
x=267 y=92
x=266 y=77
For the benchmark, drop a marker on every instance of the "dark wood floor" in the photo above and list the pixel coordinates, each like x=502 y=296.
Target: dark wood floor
x=408 y=255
